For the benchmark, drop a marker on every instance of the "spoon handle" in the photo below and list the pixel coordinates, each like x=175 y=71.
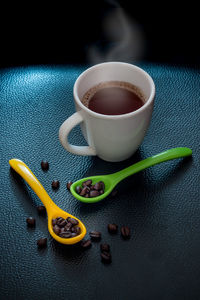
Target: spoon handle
x=151 y=161
x=23 y=170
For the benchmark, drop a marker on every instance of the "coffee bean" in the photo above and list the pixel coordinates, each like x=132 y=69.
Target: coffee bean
x=102 y=185
x=86 y=244
x=65 y=234
x=62 y=223
x=30 y=222
x=42 y=242
x=78 y=189
x=87 y=183
x=105 y=247
x=54 y=222
x=95 y=235
x=55 y=184
x=88 y=190
x=112 y=228
x=41 y=210
x=58 y=221
x=106 y=257
x=72 y=221
x=44 y=165
x=98 y=186
x=125 y=232
x=73 y=234
x=76 y=230
x=69 y=183
x=63 y=229
x=56 y=229
x=84 y=191
x=66 y=228
x=73 y=228
x=94 y=194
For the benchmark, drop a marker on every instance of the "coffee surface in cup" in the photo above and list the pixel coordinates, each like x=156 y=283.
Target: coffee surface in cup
x=113 y=98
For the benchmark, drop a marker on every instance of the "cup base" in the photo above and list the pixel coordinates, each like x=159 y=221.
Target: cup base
x=115 y=159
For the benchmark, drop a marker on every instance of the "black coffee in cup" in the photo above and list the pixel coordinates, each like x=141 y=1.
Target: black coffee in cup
x=113 y=98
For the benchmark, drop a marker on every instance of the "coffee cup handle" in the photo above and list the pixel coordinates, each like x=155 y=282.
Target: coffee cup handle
x=64 y=131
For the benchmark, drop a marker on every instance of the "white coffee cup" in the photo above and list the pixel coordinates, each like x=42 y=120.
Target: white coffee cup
x=111 y=137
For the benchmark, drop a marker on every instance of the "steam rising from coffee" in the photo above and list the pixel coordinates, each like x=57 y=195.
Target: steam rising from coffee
x=125 y=39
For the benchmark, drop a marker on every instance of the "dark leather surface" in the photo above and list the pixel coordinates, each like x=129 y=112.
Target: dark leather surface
x=161 y=205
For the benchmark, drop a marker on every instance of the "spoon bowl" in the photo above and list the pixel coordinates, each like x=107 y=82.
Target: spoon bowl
x=69 y=241
x=109 y=186
x=112 y=180
x=53 y=211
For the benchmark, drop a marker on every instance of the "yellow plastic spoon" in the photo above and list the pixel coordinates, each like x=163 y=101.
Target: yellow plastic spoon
x=53 y=211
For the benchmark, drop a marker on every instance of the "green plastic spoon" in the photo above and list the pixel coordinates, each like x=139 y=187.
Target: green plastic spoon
x=112 y=180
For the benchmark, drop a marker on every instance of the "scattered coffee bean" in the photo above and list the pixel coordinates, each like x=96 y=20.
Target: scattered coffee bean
x=86 y=244
x=55 y=184
x=105 y=247
x=105 y=253
x=69 y=183
x=95 y=235
x=89 y=191
x=125 y=232
x=30 y=222
x=41 y=210
x=106 y=257
x=44 y=165
x=66 y=228
x=112 y=228
x=42 y=242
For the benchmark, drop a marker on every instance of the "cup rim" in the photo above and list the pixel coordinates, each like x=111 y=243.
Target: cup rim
x=115 y=117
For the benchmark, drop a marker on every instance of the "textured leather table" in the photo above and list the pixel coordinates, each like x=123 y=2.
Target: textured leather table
x=161 y=205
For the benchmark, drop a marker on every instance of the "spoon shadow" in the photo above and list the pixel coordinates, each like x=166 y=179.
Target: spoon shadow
x=151 y=179
x=21 y=188
x=163 y=174
x=71 y=253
